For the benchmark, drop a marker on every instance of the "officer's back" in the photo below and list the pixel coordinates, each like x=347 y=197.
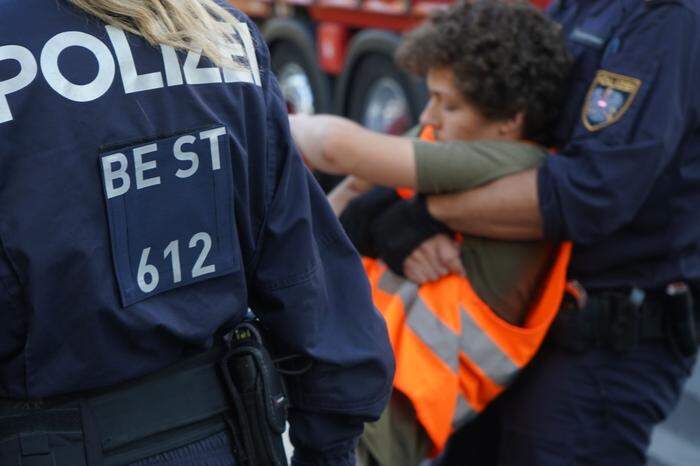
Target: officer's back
x=147 y=198
x=73 y=213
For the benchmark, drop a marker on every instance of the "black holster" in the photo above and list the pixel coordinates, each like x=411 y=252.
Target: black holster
x=695 y=292
x=681 y=318
x=258 y=397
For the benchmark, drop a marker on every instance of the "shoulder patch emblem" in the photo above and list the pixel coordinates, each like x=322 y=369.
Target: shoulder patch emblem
x=608 y=98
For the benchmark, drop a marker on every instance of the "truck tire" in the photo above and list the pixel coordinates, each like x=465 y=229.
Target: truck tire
x=382 y=97
x=304 y=86
x=293 y=60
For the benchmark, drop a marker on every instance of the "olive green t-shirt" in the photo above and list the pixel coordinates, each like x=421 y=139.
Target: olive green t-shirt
x=505 y=274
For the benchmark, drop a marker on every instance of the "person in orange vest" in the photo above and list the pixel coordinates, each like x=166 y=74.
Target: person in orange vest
x=460 y=340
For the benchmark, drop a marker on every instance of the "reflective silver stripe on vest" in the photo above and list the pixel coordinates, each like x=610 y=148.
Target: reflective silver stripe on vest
x=391 y=283
x=463 y=413
x=482 y=351
x=436 y=335
x=446 y=344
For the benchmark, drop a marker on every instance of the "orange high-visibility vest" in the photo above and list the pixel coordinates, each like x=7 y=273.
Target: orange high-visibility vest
x=454 y=355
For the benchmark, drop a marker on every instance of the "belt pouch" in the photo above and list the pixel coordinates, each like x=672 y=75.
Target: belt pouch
x=695 y=293
x=681 y=320
x=258 y=397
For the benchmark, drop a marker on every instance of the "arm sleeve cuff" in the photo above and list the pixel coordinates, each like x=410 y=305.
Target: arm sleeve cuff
x=324 y=439
x=424 y=175
x=335 y=458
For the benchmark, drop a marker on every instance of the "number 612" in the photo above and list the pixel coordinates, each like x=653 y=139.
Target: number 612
x=148 y=276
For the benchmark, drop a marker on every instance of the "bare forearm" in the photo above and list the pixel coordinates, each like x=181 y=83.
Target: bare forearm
x=377 y=158
x=339 y=146
x=506 y=209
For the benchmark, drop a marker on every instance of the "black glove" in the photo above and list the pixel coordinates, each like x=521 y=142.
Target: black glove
x=358 y=216
x=400 y=229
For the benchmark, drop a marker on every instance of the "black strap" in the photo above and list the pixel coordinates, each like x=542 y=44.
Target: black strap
x=56 y=420
x=185 y=394
x=91 y=440
x=177 y=406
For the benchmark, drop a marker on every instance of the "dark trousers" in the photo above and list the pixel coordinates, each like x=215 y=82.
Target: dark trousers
x=212 y=451
x=595 y=408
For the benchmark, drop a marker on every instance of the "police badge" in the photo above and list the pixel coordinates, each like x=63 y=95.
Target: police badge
x=608 y=98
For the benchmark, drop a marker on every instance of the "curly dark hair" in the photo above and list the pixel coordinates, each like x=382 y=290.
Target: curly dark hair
x=507 y=57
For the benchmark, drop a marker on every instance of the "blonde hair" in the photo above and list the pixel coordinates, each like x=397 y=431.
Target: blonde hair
x=195 y=25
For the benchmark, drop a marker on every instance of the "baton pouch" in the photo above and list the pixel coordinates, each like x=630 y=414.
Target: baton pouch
x=681 y=320
x=695 y=293
x=258 y=397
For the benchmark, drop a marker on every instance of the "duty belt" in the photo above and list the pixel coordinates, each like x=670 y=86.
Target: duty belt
x=175 y=407
x=618 y=321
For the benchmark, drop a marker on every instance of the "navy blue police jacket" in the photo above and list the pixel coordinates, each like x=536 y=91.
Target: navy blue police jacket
x=147 y=199
x=626 y=184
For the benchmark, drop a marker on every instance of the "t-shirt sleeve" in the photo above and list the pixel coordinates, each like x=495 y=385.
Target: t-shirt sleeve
x=458 y=165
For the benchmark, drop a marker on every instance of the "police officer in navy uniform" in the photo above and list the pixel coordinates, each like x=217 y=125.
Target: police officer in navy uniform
x=148 y=198
x=625 y=188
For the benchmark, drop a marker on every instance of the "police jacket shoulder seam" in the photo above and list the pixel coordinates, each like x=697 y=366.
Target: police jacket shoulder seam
x=269 y=163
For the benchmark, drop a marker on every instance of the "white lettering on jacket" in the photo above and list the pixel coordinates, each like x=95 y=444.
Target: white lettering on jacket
x=147 y=173
x=174 y=73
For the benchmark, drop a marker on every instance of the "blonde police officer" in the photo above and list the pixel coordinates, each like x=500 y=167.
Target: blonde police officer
x=150 y=194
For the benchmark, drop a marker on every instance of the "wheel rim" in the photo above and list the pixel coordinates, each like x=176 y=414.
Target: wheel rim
x=296 y=89
x=387 y=109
